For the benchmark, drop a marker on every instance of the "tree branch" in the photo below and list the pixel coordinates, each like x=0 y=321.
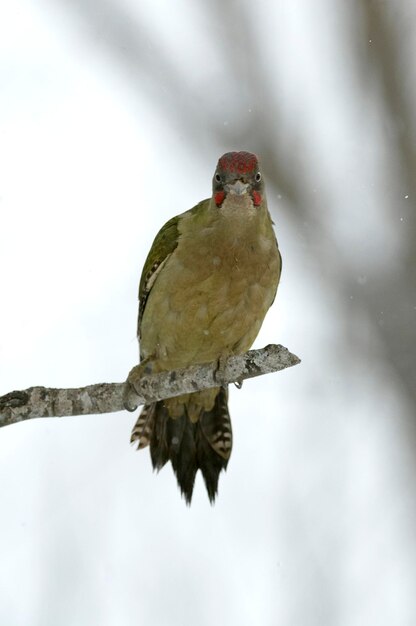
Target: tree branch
x=108 y=397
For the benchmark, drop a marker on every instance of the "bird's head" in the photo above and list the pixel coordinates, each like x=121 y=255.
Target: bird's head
x=238 y=173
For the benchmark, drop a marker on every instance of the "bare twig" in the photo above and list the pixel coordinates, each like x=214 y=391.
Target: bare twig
x=108 y=397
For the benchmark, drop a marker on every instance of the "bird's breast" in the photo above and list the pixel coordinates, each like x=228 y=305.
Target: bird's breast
x=211 y=297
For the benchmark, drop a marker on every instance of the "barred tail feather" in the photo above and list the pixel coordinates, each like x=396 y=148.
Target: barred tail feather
x=214 y=442
x=205 y=444
x=143 y=428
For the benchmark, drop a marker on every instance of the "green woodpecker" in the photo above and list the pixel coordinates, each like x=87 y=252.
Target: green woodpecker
x=206 y=285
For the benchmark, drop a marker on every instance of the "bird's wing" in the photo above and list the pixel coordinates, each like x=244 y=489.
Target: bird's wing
x=280 y=273
x=163 y=246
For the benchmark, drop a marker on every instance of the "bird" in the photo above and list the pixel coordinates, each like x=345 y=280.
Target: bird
x=207 y=283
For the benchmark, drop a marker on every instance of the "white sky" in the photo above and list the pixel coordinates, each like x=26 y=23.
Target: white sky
x=314 y=523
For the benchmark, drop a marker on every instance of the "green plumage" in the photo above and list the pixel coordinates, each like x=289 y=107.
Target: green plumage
x=206 y=285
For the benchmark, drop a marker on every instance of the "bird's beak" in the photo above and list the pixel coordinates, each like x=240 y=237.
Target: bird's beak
x=238 y=188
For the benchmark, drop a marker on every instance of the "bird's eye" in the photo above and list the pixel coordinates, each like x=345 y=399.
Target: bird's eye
x=258 y=177
x=218 y=178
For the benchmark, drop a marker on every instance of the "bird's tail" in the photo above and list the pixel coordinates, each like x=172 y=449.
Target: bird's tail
x=203 y=444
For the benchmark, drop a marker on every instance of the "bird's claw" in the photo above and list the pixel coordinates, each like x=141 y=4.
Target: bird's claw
x=129 y=396
x=219 y=374
x=131 y=386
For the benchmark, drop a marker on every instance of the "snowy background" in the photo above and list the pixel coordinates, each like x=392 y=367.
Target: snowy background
x=112 y=117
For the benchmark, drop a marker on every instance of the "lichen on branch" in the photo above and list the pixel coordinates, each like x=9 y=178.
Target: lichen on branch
x=108 y=397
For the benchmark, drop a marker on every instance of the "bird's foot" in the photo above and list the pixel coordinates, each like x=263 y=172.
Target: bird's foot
x=132 y=384
x=219 y=374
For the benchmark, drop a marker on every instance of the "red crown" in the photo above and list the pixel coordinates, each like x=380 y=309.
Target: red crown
x=238 y=162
